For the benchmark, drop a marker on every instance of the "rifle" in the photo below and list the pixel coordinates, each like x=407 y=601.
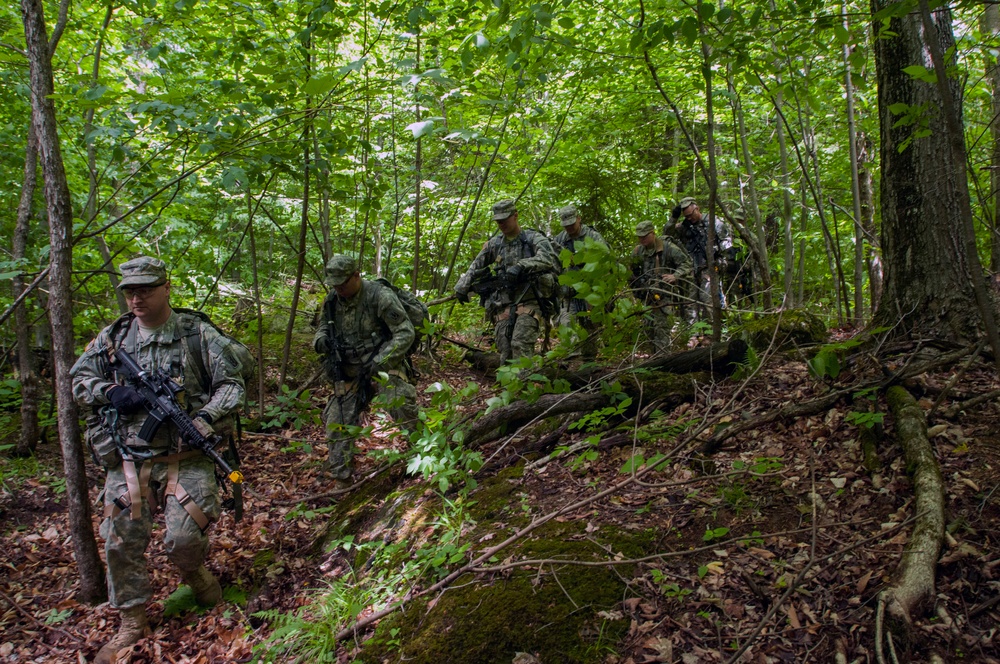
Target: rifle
x=159 y=392
x=485 y=282
x=333 y=364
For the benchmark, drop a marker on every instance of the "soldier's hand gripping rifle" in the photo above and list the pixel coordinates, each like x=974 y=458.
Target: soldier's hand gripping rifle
x=485 y=282
x=333 y=364
x=159 y=394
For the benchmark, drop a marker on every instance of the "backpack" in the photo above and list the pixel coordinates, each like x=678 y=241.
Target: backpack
x=415 y=310
x=192 y=336
x=547 y=290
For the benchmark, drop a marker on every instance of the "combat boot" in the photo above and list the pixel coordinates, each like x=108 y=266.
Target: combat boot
x=206 y=588
x=134 y=626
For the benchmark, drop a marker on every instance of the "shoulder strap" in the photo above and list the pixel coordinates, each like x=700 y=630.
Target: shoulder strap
x=529 y=246
x=120 y=329
x=191 y=331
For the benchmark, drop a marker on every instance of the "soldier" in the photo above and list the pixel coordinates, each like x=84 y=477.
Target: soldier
x=365 y=332
x=143 y=475
x=571 y=307
x=693 y=233
x=529 y=266
x=661 y=278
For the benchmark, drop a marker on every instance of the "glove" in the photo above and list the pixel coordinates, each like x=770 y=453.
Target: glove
x=514 y=272
x=322 y=345
x=675 y=214
x=203 y=423
x=462 y=296
x=125 y=399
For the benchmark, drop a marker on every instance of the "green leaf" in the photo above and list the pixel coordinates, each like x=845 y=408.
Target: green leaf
x=321 y=85
x=95 y=93
x=633 y=464
x=357 y=65
x=841 y=34
x=421 y=128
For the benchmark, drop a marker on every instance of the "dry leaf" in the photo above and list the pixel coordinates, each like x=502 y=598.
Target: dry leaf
x=793 y=617
x=863 y=582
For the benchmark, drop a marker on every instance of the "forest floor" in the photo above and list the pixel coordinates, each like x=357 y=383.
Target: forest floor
x=822 y=537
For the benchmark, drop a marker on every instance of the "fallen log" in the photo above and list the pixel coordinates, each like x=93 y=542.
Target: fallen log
x=913 y=588
x=719 y=359
x=669 y=389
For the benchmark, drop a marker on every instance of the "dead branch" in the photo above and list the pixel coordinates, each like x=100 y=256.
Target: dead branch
x=827 y=401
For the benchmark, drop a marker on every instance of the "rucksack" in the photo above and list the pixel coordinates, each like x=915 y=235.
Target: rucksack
x=547 y=292
x=192 y=336
x=415 y=310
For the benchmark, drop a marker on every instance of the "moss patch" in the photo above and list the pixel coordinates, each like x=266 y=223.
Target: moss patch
x=558 y=614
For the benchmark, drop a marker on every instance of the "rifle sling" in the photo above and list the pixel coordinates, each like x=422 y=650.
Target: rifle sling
x=138 y=487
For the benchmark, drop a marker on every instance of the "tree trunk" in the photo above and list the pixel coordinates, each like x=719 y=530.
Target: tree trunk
x=417 y=166
x=26 y=371
x=873 y=249
x=88 y=126
x=713 y=194
x=928 y=269
x=301 y=263
x=852 y=138
x=753 y=209
x=258 y=308
x=60 y=213
x=990 y=23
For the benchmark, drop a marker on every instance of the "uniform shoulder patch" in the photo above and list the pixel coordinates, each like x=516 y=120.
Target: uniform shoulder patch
x=395 y=315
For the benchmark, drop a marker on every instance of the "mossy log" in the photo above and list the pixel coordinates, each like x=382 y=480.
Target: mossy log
x=720 y=359
x=913 y=588
x=669 y=391
x=482 y=360
x=786 y=329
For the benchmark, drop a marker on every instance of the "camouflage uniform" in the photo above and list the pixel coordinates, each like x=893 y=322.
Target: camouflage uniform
x=129 y=506
x=694 y=238
x=571 y=308
x=649 y=263
x=533 y=253
x=373 y=331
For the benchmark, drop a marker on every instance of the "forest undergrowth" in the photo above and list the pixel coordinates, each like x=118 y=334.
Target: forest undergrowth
x=773 y=549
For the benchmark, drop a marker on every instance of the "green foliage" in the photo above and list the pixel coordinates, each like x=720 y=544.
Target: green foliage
x=669 y=589
x=309 y=633
x=301 y=511
x=712 y=534
x=54 y=616
x=596 y=419
x=826 y=362
x=638 y=462
x=747 y=367
x=291 y=408
x=181 y=601
x=436 y=446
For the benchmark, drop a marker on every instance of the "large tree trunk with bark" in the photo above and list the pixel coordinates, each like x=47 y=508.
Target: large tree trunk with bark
x=928 y=270
x=58 y=204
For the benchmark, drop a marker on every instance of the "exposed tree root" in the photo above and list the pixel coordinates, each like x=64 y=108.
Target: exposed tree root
x=913 y=589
